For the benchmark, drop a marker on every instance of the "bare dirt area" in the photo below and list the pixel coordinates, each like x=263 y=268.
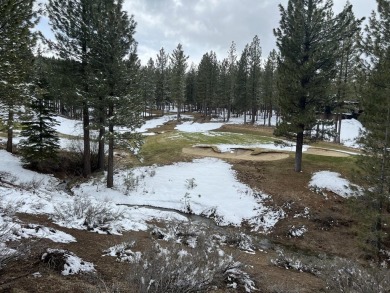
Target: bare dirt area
x=330 y=222
x=114 y=276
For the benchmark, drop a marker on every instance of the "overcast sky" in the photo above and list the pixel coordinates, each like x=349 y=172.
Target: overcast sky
x=204 y=25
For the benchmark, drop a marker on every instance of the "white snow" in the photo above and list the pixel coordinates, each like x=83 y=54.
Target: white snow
x=73 y=264
x=350 y=131
x=203 y=187
x=37 y=231
x=198 y=127
x=75 y=127
x=206 y=187
x=240 y=120
x=332 y=181
x=69 y=126
x=156 y=122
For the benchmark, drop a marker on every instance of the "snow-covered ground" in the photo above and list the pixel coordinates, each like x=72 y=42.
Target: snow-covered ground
x=350 y=131
x=331 y=181
x=193 y=187
x=142 y=194
x=198 y=127
x=75 y=128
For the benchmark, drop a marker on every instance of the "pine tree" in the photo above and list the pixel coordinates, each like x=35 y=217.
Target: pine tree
x=40 y=147
x=269 y=85
x=191 y=87
x=347 y=71
x=308 y=40
x=162 y=77
x=149 y=86
x=179 y=67
x=16 y=42
x=207 y=82
x=232 y=72
x=112 y=58
x=254 y=79
x=242 y=102
x=224 y=86
x=375 y=161
x=71 y=22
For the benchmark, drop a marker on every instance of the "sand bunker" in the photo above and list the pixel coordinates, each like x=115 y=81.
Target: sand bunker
x=256 y=154
x=237 y=154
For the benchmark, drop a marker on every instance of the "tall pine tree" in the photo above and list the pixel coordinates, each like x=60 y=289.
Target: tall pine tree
x=254 y=79
x=207 y=82
x=232 y=72
x=376 y=139
x=71 y=22
x=112 y=57
x=17 y=18
x=269 y=86
x=178 y=74
x=162 y=79
x=148 y=86
x=308 y=40
x=242 y=101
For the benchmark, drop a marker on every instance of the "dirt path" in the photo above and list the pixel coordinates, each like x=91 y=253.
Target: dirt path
x=257 y=155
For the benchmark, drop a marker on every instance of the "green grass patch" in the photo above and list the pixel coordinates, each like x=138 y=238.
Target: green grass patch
x=346 y=166
x=222 y=138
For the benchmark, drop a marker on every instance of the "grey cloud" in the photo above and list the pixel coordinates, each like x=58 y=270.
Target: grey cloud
x=204 y=25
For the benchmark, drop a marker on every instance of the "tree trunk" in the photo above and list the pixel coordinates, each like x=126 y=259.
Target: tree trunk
x=269 y=115
x=10 y=126
x=228 y=113
x=101 y=148
x=178 y=111
x=102 y=132
x=336 y=122
x=87 y=145
x=339 y=130
x=110 y=165
x=298 y=152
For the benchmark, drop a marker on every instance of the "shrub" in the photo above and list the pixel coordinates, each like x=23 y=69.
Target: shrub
x=97 y=215
x=176 y=268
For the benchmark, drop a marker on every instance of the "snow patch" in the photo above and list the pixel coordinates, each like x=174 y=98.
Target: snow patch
x=332 y=181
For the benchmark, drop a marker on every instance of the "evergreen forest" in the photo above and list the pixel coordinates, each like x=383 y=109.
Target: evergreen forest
x=326 y=68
